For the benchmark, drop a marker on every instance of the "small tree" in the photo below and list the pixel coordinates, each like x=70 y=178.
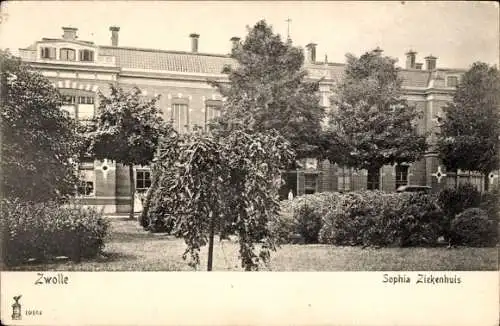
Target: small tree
x=38 y=139
x=372 y=120
x=268 y=89
x=127 y=129
x=470 y=129
x=210 y=185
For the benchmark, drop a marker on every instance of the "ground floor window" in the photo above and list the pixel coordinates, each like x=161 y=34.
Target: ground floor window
x=344 y=179
x=86 y=185
x=310 y=181
x=373 y=179
x=401 y=175
x=180 y=117
x=142 y=180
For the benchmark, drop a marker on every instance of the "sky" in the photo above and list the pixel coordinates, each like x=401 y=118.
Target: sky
x=458 y=33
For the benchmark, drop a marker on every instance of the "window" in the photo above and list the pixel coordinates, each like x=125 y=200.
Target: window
x=85 y=100
x=67 y=54
x=452 y=81
x=373 y=179
x=48 y=53
x=86 y=185
x=344 y=179
x=86 y=55
x=401 y=175
x=142 y=180
x=211 y=112
x=80 y=103
x=310 y=183
x=85 y=188
x=68 y=99
x=180 y=117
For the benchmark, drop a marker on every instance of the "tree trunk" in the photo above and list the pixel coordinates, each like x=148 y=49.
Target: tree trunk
x=211 y=241
x=143 y=217
x=132 y=190
x=486 y=182
x=456 y=179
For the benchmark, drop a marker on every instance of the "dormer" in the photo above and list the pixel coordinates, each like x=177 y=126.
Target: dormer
x=61 y=50
x=67 y=49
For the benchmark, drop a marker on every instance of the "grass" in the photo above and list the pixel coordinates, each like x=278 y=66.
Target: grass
x=129 y=248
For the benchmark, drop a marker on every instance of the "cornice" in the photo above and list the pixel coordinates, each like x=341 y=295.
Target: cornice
x=73 y=67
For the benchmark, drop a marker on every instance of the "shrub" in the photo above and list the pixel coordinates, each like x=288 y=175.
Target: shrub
x=373 y=218
x=491 y=204
x=309 y=211
x=453 y=201
x=419 y=220
x=47 y=230
x=474 y=228
x=283 y=227
x=308 y=222
x=303 y=216
x=351 y=222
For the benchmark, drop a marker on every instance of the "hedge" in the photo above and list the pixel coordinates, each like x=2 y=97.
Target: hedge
x=473 y=227
x=46 y=230
x=301 y=219
x=374 y=218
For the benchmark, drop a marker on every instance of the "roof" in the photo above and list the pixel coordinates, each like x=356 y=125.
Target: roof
x=415 y=78
x=137 y=58
x=81 y=42
x=204 y=63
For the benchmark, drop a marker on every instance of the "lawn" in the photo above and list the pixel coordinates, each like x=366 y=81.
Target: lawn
x=129 y=248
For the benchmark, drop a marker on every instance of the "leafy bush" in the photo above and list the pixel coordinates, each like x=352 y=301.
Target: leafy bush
x=419 y=221
x=309 y=211
x=455 y=200
x=284 y=226
x=373 y=218
x=473 y=227
x=348 y=222
x=303 y=216
x=308 y=223
x=47 y=230
x=491 y=204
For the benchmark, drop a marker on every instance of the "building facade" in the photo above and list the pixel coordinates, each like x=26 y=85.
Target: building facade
x=80 y=69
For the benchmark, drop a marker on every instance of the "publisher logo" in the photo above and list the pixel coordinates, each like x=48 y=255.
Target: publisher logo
x=16 y=308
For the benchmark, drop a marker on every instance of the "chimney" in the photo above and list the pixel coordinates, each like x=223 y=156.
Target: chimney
x=114 y=35
x=430 y=62
x=235 y=43
x=194 y=42
x=419 y=66
x=311 y=52
x=69 y=33
x=410 y=59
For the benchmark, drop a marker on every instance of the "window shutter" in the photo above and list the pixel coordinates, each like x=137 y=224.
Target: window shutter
x=52 y=53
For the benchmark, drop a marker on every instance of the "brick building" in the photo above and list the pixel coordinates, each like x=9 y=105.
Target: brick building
x=79 y=69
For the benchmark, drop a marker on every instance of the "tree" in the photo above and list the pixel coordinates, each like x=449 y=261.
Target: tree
x=268 y=90
x=127 y=129
x=221 y=185
x=470 y=129
x=39 y=140
x=372 y=120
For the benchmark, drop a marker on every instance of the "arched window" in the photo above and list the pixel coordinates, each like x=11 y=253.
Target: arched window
x=86 y=55
x=67 y=54
x=48 y=53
